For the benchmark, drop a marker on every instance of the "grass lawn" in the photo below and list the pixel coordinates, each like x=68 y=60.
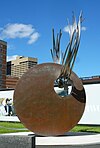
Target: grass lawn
x=11 y=127
x=86 y=128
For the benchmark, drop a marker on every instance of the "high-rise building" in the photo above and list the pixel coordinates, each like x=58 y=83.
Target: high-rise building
x=9 y=68
x=3 y=50
x=20 y=65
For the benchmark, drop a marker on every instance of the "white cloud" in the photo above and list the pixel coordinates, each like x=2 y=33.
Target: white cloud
x=66 y=28
x=83 y=28
x=33 y=37
x=10 y=58
x=12 y=31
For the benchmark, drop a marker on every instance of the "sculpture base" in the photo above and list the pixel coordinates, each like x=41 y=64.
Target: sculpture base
x=69 y=140
x=17 y=140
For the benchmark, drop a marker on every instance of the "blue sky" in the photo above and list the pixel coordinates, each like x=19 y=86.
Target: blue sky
x=27 y=25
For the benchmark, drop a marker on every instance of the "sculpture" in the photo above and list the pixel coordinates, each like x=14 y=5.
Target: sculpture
x=37 y=105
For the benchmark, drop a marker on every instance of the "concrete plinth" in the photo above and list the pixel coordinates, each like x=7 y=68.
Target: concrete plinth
x=17 y=141
x=69 y=140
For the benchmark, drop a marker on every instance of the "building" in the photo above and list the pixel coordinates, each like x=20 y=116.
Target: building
x=91 y=80
x=9 y=68
x=20 y=65
x=3 y=50
x=11 y=81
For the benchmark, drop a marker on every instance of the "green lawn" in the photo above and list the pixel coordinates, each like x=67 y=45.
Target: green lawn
x=10 y=127
x=85 y=128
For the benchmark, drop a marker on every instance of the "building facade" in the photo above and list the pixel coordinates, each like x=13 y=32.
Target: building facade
x=3 y=50
x=20 y=65
x=11 y=81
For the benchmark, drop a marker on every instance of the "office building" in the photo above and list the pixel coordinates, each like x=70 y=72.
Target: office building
x=20 y=65
x=3 y=50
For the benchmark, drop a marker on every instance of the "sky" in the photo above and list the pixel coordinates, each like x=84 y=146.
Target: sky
x=26 y=26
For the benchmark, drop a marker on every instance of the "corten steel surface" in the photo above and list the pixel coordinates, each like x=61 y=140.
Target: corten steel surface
x=38 y=106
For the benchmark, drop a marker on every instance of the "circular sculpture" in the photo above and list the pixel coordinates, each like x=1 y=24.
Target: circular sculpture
x=40 y=108
x=37 y=104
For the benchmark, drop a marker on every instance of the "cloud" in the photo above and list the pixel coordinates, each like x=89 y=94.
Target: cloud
x=83 y=28
x=12 y=31
x=66 y=28
x=10 y=58
x=33 y=37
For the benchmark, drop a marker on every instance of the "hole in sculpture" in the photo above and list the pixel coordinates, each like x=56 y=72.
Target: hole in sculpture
x=63 y=87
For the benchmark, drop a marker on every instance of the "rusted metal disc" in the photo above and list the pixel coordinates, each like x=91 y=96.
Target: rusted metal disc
x=39 y=107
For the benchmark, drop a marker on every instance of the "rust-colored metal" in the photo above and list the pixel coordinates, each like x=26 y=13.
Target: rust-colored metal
x=39 y=107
